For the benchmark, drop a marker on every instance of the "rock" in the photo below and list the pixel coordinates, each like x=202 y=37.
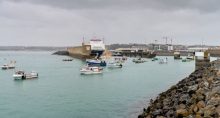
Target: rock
x=159 y=106
x=217 y=110
x=193 y=88
x=200 y=91
x=218 y=73
x=215 y=90
x=198 y=116
x=157 y=112
x=195 y=108
x=142 y=116
x=214 y=101
x=182 y=113
x=209 y=111
x=166 y=102
x=190 y=116
x=184 y=98
x=210 y=80
x=160 y=117
x=206 y=84
x=181 y=106
x=170 y=114
x=200 y=112
x=200 y=97
x=201 y=104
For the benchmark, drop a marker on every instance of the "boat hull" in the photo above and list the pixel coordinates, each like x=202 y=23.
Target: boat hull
x=96 y=63
x=90 y=73
x=18 y=77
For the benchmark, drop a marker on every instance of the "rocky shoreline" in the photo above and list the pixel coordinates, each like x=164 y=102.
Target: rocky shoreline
x=197 y=96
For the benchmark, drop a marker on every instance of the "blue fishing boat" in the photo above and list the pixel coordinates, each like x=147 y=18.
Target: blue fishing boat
x=97 y=62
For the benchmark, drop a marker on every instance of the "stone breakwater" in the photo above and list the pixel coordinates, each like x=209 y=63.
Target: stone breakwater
x=65 y=53
x=197 y=96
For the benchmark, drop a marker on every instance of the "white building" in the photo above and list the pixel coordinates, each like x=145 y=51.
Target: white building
x=170 y=47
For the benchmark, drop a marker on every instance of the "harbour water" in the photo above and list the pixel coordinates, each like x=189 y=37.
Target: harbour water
x=61 y=92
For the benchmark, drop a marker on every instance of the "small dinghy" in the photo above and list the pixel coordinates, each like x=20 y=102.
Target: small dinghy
x=91 y=70
x=67 y=59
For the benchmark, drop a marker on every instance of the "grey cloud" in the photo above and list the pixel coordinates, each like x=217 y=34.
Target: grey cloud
x=54 y=22
x=200 y=5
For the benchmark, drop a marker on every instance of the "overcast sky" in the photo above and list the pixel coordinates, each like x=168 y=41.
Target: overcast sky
x=65 y=22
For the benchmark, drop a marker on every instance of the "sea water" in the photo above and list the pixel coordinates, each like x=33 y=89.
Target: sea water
x=61 y=92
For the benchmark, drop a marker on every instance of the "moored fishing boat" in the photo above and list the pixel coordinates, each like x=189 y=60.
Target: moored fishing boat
x=4 y=67
x=96 y=62
x=154 y=59
x=31 y=75
x=139 y=60
x=177 y=55
x=90 y=70
x=11 y=65
x=190 y=57
x=120 y=59
x=114 y=65
x=19 y=75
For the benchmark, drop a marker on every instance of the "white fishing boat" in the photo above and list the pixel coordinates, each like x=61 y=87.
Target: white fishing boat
x=90 y=70
x=163 y=61
x=32 y=75
x=190 y=57
x=4 y=67
x=19 y=75
x=114 y=65
x=11 y=65
x=120 y=59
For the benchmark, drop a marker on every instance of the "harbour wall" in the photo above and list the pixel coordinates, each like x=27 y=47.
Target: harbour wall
x=196 y=96
x=214 y=52
x=80 y=51
x=170 y=53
